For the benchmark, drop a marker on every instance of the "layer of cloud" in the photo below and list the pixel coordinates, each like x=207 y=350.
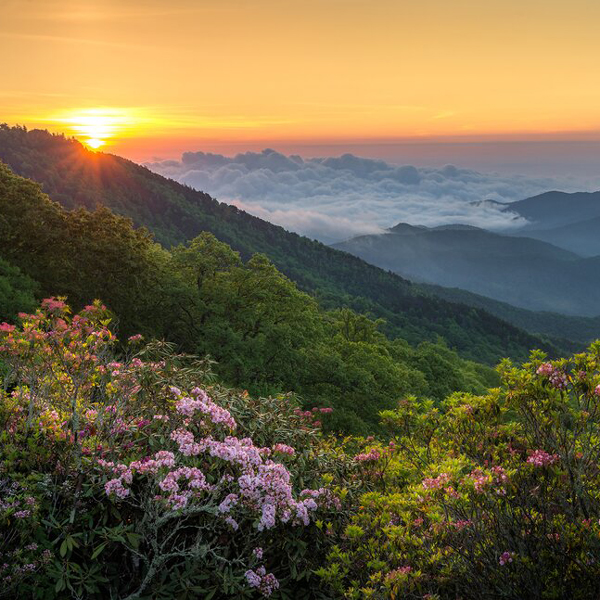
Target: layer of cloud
x=336 y=198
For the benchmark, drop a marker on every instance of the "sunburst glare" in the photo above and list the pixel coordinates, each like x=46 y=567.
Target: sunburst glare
x=96 y=127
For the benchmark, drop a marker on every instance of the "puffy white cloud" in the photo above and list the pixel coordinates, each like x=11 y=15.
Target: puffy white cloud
x=338 y=197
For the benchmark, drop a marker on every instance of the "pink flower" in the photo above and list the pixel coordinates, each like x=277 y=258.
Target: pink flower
x=194 y=476
x=559 y=380
x=284 y=449
x=480 y=480
x=201 y=402
x=499 y=474
x=545 y=369
x=266 y=583
x=460 y=525
x=186 y=442
x=52 y=304
x=115 y=486
x=372 y=456
x=436 y=483
x=230 y=501
x=397 y=573
x=540 y=458
x=505 y=558
x=252 y=578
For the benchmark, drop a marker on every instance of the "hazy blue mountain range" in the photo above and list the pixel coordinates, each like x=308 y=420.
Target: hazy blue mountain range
x=571 y=221
x=557 y=209
x=582 y=237
x=521 y=271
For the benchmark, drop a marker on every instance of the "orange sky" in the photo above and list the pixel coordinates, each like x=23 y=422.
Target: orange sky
x=177 y=74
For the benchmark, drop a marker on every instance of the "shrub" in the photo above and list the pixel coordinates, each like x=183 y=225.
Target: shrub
x=148 y=478
x=493 y=496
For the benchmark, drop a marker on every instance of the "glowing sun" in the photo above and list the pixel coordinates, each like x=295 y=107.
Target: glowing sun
x=96 y=127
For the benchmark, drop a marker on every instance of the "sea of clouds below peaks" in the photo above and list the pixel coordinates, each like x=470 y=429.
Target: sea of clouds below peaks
x=336 y=198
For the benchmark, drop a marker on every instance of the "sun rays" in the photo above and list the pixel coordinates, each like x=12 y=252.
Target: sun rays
x=97 y=127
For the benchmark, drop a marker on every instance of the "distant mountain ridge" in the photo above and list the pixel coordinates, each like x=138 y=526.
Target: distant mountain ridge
x=582 y=237
x=568 y=220
x=521 y=271
x=557 y=209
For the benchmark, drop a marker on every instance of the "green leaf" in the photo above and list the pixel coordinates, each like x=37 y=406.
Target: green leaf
x=99 y=550
x=134 y=539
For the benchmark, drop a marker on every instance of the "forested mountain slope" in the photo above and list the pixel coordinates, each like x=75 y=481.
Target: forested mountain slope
x=578 y=331
x=74 y=176
x=266 y=336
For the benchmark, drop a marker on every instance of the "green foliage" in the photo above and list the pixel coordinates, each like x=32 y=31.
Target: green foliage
x=80 y=254
x=479 y=495
x=268 y=336
x=16 y=291
x=486 y=496
x=483 y=497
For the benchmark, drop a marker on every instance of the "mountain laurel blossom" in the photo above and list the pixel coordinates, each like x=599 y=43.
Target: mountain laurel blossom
x=480 y=480
x=201 y=402
x=284 y=449
x=156 y=452
x=398 y=573
x=436 y=483
x=545 y=369
x=262 y=485
x=557 y=378
x=541 y=458
x=372 y=456
x=266 y=583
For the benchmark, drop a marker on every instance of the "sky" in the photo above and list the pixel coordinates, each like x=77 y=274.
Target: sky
x=330 y=117
x=316 y=77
